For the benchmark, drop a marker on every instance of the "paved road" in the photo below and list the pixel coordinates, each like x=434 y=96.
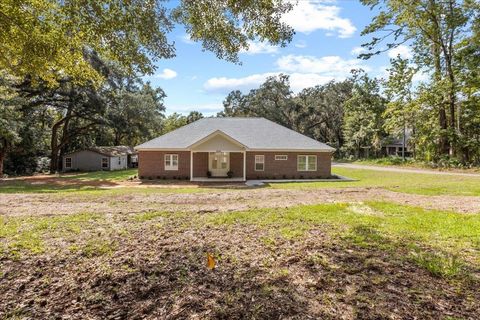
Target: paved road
x=407 y=170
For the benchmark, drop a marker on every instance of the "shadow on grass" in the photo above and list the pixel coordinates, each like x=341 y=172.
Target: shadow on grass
x=177 y=285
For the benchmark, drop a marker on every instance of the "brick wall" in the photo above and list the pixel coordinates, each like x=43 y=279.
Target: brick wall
x=236 y=164
x=200 y=164
x=151 y=164
x=287 y=169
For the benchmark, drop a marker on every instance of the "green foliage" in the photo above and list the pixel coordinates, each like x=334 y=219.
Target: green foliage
x=363 y=121
x=135 y=112
x=442 y=113
x=177 y=120
x=48 y=38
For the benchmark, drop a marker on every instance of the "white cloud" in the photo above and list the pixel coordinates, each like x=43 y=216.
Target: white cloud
x=329 y=65
x=402 y=50
x=300 y=44
x=358 y=50
x=298 y=81
x=310 y=15
x=166 y=74
x=257 y=47
x=224 y=84
x=304 y=72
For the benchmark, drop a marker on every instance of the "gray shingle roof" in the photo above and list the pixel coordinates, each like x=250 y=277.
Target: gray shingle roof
x=114 y=150
x=254 y=133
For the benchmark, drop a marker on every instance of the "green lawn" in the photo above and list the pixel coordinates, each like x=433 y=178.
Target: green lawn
x=446 y=233
x=427 y=184
x=117 y=175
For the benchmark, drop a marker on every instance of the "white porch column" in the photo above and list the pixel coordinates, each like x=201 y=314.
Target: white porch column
x=191 y=165
x=245 y=165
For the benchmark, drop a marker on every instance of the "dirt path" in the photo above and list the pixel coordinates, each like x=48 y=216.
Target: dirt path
x=403 y=170
x=44 y=204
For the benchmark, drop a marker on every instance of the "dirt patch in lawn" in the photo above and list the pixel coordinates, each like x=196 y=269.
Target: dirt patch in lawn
x=220 y=200
x=157 y=270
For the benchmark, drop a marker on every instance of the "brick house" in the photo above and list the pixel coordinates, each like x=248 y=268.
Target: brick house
x=241 y=148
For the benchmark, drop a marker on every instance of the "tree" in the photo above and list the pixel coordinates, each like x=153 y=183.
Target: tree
x=173 y=121
x=363 y=122
x=10 y=120
x=50 y=38
x=135 y=113
x=435 y=29
x=194 y=116
x=400 y=111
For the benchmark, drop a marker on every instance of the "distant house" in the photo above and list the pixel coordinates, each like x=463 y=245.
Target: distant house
x=242 y=148
x=393 y=146
x=101 y=158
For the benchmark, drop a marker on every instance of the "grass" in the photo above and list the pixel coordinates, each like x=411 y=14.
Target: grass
x=411 y=163
x=118 y=175
x=381 y=224
x=28 y=234
x=439 y=241
x=426 y=184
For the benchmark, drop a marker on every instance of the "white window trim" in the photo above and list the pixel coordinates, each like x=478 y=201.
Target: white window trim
x=105 y=162
x=281 y=157
x=262 y=162
x=70 y=162
x=307 y=156
x=170 y=167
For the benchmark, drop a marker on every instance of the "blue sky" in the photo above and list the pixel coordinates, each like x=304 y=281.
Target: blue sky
x=324 y=48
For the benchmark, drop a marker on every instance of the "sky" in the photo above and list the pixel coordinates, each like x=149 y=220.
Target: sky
x=325 y=47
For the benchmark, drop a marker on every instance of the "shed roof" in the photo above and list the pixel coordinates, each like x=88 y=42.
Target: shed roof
x=253 y=133
x=111 y=151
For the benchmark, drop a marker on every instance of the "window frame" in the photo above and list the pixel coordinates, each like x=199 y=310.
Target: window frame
x=281 y=157
x=66 y=162
x=307 y=162
x=105 y=164
x=260 y=156
x=169 y=157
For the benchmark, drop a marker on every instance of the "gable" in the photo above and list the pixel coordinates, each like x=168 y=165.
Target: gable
x=217 y=141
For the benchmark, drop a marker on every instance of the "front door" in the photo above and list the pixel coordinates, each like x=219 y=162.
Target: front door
x=219 y=163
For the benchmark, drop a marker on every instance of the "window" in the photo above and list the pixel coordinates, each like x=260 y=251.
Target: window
x=119 y=161
x=307 y=163
x=259 y=162
x=171 y=162
x=104 y=162
x=68 y=162
x=281 y=157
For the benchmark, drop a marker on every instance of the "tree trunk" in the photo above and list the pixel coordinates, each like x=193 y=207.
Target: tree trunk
x=2 y=158
x=54 y=147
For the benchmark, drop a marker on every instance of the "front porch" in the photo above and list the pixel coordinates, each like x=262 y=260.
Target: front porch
x=218 y=157
x=217 y=166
